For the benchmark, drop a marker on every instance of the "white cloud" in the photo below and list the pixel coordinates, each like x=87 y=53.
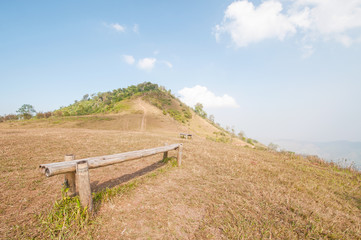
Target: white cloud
x=168 y=64
x=332 y=16
x=337 y=20
x=246 y=23
x=147 y=63
x=136 y=28
x=128 y=59
x=200 y=94
x=117 y=27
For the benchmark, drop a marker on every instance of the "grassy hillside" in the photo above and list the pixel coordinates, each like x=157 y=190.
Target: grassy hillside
x=225 y=189
x=222 y=191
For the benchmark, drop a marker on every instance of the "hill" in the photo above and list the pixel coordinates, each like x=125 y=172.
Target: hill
x=222 y=190
x=145 y=106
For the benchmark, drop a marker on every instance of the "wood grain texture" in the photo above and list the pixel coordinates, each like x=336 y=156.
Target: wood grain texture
x=83 y=182
x=53 y=169
x=179 y=155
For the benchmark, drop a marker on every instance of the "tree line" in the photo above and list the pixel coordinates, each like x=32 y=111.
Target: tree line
x=25 y=112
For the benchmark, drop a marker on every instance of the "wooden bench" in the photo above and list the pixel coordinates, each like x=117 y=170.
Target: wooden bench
x=185 y=135
x=77 y=171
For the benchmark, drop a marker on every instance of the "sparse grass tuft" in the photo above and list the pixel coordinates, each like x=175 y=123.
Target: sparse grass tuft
x=66 y=218
x=108 y=193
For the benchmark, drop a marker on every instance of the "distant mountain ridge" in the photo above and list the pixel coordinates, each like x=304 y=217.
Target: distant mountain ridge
x=336 y=151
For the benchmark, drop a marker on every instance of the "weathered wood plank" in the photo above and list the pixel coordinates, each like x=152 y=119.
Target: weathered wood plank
x=53 y=169
x=83 y=182
x=179 y=155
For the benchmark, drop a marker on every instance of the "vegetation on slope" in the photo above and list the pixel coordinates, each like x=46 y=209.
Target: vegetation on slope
x=112 y=102
x=116 y=101
x=105 y=102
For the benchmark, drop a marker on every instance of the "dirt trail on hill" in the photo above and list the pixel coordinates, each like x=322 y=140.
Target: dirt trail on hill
x=143 y=124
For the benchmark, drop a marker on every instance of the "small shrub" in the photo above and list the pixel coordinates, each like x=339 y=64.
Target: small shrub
x=40 y=115
x=58 y=113
x=175 y=114
x=187 y=113
x=11 y=117
x=48 y=114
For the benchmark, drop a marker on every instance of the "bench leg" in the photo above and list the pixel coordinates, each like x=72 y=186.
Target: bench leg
x=179 y=155
x=165 y=154
x=69 y=180
x=83 y=182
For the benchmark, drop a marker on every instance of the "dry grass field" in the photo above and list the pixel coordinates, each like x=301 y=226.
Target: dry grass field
x=221 y=191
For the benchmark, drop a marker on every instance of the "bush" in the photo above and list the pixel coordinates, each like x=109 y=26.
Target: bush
x=187 y=114
x=11 y=117
x=175 y=114
x=58 y=113
x=249 y=140
x=273 y=147
x=48 y=114
x=40 y=115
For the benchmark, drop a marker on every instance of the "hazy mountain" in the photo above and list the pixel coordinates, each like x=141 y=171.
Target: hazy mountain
x=337 y=151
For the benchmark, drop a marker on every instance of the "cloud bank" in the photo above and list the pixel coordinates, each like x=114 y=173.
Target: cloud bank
x=338 y=20
x=200 y=94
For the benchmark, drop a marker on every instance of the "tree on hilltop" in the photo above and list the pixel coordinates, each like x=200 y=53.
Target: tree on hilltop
x=198 y=108
x=211 y=118
x=273 y=147
x=26 y=111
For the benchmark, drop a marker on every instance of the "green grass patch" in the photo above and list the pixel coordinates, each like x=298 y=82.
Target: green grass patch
x=68 y=219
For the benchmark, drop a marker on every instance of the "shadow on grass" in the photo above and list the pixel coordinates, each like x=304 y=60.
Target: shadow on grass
x=68 y=218
x=126 y=178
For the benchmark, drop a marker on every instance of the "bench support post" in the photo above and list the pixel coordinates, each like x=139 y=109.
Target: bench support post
x=69 y=180
x=83 y=182
x=165 y=154
x=179 y=155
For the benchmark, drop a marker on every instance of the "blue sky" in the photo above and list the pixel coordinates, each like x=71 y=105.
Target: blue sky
x=281 y=69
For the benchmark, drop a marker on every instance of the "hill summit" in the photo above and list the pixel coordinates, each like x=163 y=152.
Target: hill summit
x=148 y=106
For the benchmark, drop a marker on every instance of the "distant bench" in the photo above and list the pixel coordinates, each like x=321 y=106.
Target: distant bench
x=185 y=135
x=77 y=171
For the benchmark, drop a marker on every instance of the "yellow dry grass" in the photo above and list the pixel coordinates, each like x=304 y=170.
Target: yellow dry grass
x=222 y=191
